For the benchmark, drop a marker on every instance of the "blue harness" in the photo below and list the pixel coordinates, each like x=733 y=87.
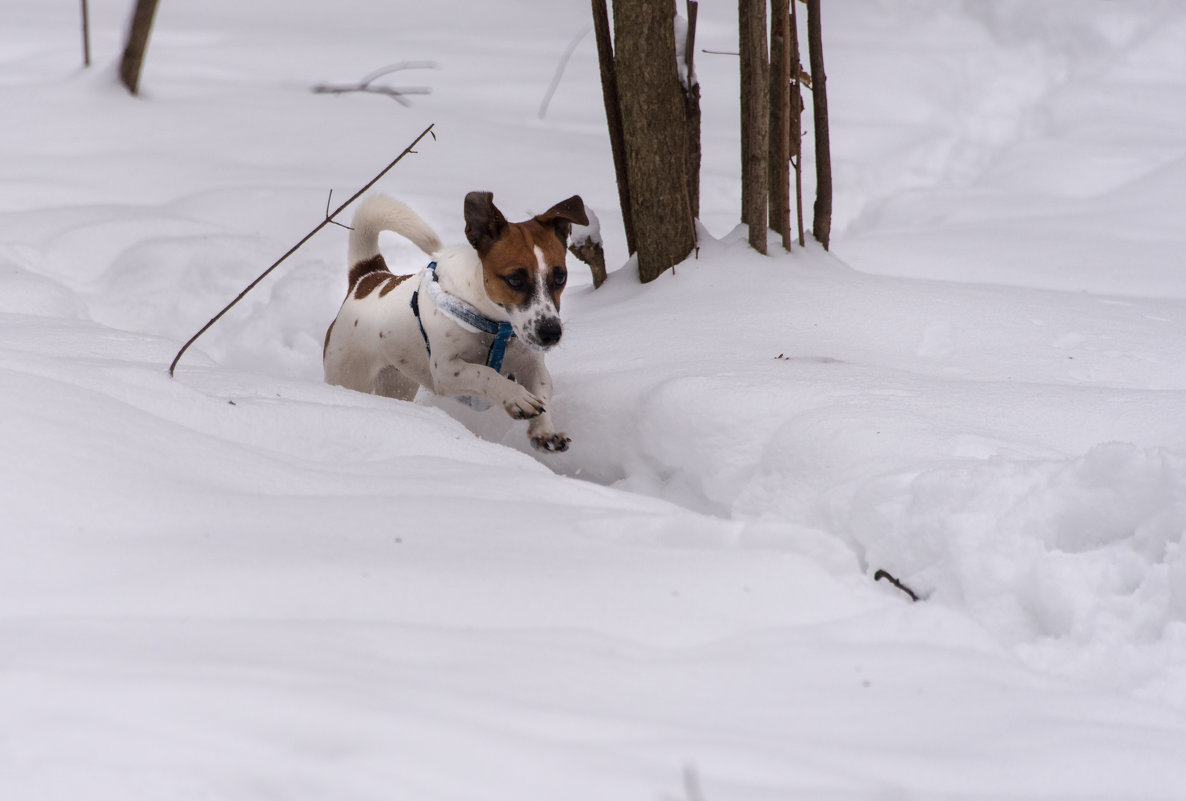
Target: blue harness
x=468 y=316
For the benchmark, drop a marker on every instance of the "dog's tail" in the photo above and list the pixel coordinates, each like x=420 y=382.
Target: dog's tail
x=382 y=213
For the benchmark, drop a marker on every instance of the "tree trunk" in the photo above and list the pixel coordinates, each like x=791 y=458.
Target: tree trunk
x=692 y=113
x=780 y=119
x=796 y=132
x=653 y=124
x=821 y=226
x=755 y=119
x=613 y=116
x=133 y=59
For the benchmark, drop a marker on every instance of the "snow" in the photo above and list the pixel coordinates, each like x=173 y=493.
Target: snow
x=590 y=233
x=242 y=583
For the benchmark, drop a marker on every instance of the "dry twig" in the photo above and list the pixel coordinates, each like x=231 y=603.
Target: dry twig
x=881 y=574
x=328 y=219
x=364 y=85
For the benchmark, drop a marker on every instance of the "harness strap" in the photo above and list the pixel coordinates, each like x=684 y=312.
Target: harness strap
x=415 y=304
x=498 y=348
x=467 y=316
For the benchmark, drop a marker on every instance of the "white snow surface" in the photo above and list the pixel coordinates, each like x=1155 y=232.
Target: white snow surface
x=241 y=583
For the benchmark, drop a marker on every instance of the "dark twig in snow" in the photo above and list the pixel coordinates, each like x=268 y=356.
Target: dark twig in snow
x=364 y=85
x=328 y=219
x=396 y=67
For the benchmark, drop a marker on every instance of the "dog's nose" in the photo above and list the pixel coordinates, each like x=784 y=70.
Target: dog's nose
x=549 y=332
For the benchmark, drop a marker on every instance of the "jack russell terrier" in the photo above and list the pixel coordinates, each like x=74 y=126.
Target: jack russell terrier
x=473 y=325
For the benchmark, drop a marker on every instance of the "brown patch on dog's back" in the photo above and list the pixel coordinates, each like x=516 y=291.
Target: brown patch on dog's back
x=372 y=265
x=369 y=283
x=395 y=281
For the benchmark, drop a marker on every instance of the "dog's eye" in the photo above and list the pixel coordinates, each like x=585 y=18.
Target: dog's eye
x=559 y=277
x=515 y=280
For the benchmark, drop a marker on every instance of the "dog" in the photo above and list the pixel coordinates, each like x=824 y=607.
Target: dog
x=473 y=325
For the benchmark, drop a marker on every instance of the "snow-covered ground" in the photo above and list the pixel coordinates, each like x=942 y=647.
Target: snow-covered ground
x=243 y=584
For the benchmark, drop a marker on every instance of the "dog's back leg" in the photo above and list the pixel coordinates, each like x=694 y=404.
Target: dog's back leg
x=391 y=383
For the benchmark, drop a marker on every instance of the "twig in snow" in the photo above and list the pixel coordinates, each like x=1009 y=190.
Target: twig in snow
x=572 y=46
x=328 y=219
x=329 y=216
x=364 y=85
x=881 y=574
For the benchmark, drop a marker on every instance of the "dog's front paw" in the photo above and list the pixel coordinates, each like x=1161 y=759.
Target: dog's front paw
x=551 y=443
x=523 y=405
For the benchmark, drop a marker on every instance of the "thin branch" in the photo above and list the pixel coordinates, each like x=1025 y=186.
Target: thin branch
x=398 y=66
x=572 y=46
x=395 y=94
x=328 y=219
x=364 y=85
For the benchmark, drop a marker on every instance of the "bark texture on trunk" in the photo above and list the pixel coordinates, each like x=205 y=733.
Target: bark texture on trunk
x=692 y=113
x=755 y=119
x=653 y=122
x=821 y=226
x=780 y=119
x=796 y=137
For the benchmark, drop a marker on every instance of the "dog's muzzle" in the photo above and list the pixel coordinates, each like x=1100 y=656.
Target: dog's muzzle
x=548 y=332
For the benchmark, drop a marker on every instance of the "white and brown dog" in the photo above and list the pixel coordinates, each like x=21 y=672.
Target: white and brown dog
x=473 y=325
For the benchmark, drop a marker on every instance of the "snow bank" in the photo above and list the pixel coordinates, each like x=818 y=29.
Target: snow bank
x=243 y=583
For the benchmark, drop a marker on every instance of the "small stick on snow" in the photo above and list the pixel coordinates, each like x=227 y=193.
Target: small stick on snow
x=328 y=219
x=881 y=574
x=329 y=216
x=365 y=84
x=585 y=244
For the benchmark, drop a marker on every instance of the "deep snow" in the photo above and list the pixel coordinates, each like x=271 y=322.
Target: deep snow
x=242 y=583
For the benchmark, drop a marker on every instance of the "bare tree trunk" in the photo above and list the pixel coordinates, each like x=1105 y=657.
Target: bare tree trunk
x=821 y=226
x=780 y=119
x=653 y=124
x=692 y=113
x=755 y=119
x=133 y=59
x=613 y=117
x=796 y=132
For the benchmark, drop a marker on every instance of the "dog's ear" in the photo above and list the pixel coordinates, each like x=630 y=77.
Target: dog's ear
x=561 y=216
x=484 y=223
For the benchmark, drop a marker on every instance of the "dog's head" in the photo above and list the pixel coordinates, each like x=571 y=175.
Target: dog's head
x=523 y=264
